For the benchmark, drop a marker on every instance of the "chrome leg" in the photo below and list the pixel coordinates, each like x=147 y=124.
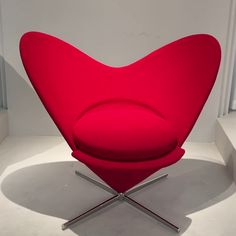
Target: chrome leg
x=120 y=197
x=91 y=211
x=96 y=182
x=151 y=213
x=143 y=185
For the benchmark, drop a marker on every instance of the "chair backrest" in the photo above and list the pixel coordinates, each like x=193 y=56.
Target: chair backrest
x=175 y=80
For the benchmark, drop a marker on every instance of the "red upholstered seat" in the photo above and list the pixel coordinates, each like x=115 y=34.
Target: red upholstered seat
x=124 y=123
x=123 y=131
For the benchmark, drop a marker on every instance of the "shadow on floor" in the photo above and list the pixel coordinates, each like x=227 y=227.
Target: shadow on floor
x=19 y=148
x=53 y=189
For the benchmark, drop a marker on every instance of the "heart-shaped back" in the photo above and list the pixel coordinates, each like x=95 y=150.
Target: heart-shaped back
x=174 y=80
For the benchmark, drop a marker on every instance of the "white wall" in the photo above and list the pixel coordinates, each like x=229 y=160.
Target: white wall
x=2 y=71
x=3 y=113
x=115 y=32
x=233 y=89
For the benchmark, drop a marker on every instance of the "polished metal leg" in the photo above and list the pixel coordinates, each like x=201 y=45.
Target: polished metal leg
x=143 y=185
x=121 y=197
x=91 y=211
x=151 y=213
x=96 y=182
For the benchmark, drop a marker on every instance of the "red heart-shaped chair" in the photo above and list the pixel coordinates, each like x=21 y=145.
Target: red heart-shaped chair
x=124 y=123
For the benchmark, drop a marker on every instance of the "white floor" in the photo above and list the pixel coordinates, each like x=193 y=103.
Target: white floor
x=39 y=192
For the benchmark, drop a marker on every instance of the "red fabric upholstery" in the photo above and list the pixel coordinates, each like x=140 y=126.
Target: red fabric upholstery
x=123 y=131
x=122 y=176
x=173 y=81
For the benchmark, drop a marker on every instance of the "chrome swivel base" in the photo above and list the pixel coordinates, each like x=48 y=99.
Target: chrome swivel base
x=120 y=197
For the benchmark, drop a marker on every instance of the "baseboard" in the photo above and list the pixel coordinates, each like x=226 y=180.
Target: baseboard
x=3 y=124
x=225 y=140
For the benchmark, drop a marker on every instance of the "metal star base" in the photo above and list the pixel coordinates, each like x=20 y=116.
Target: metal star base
x=121 y=197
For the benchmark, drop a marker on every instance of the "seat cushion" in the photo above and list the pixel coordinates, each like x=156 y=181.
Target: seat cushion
x=123 y=132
